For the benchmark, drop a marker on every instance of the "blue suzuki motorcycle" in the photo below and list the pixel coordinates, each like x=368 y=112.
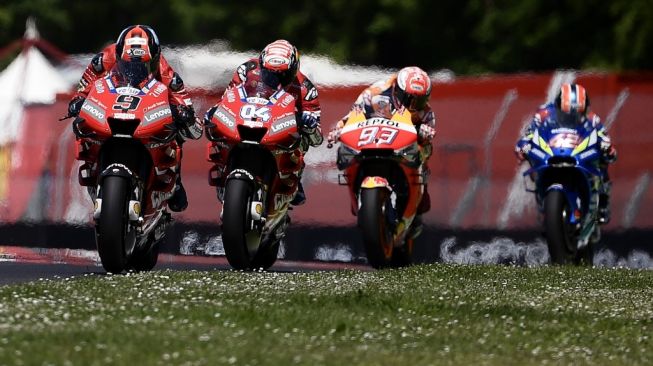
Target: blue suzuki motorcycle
x=565 y=168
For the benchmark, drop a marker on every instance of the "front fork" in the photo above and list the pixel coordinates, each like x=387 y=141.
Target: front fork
x=390 y=210
x=256 y=203
x=134 y=209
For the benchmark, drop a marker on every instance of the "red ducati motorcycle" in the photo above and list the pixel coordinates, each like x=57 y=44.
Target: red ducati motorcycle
x=126 y=142
x=256 y=153
x=382 y=164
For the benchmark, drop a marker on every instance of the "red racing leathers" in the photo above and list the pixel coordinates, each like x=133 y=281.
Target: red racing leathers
x=180 y=101
x=181 y=105
x=305 y=93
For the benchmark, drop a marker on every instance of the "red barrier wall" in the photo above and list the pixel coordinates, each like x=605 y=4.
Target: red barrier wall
x=472 y=183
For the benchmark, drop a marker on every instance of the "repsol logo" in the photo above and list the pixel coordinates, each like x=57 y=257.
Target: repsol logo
x=283 y=125
x=93 y=111
x=378 y=121
x=157 y=115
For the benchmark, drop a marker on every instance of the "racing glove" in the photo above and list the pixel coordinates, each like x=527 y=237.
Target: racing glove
x=522 y=151
x=310 y=121
x=186 y=122
x=184 y=117
x=310 y=128
x=334 y=134
x=209 y=115
x=609 y=153
x=426 y=132
x=75 y=106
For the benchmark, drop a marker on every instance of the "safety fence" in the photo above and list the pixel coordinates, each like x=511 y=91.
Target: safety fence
x=475 y=183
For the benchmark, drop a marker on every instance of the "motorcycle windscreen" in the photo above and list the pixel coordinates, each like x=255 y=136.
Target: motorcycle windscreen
x=130 y=73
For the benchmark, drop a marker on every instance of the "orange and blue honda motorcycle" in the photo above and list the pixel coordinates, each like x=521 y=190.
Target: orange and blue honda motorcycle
x=382 y=164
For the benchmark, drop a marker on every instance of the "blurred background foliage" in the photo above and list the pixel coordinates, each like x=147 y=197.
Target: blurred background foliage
x=468 y=37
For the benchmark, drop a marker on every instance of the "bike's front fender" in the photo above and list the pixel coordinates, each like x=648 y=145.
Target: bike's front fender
x=375 y=182
x=573 y=202
x=241 y=174
x=119 y=170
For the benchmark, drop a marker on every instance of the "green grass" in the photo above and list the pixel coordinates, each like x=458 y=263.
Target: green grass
x=423 y=315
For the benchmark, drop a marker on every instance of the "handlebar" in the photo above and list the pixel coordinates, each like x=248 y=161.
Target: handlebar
x=208 y=128
x=79 y=132
x=170 y=137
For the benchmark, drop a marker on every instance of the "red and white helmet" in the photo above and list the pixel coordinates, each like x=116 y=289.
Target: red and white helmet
x=138 y=42
x=137 y=51
x=571 y=103
x=279 y=63
x=412 y=88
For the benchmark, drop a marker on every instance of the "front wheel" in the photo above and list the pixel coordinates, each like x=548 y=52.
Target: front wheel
x=234 y=223
x=112 y=232
x=558 y=234
x=372 y=219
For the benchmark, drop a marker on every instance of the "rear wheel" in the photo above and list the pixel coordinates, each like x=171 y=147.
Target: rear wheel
x=558 y=233
x=234 y=223
x=113 y=235
x=377 y=236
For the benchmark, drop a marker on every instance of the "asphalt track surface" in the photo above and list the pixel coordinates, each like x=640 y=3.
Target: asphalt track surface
x=24 y=269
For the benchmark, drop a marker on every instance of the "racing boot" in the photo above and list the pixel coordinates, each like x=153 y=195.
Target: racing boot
x=416 y=227
x=604 y=200
x=300 y=196
x=425 y=203
x=604 y=208
x=178 y=202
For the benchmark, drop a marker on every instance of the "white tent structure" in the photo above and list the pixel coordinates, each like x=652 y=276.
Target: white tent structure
x=27 y=85
x=29 y=79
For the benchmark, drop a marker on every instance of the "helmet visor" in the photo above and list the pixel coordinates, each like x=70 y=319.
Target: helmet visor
x=133 y=73
x=275 y=78
x=570 y=119
x=412 y=102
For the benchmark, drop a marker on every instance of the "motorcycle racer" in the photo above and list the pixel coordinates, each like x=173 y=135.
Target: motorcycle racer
x=571 y=107
x=138 y=48
x=277 y=66
x=409 y=88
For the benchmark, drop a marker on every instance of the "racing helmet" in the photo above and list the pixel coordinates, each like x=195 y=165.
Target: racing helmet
x=137 y=53
x=572 y=103
x=412 y=88
x=279 y=63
